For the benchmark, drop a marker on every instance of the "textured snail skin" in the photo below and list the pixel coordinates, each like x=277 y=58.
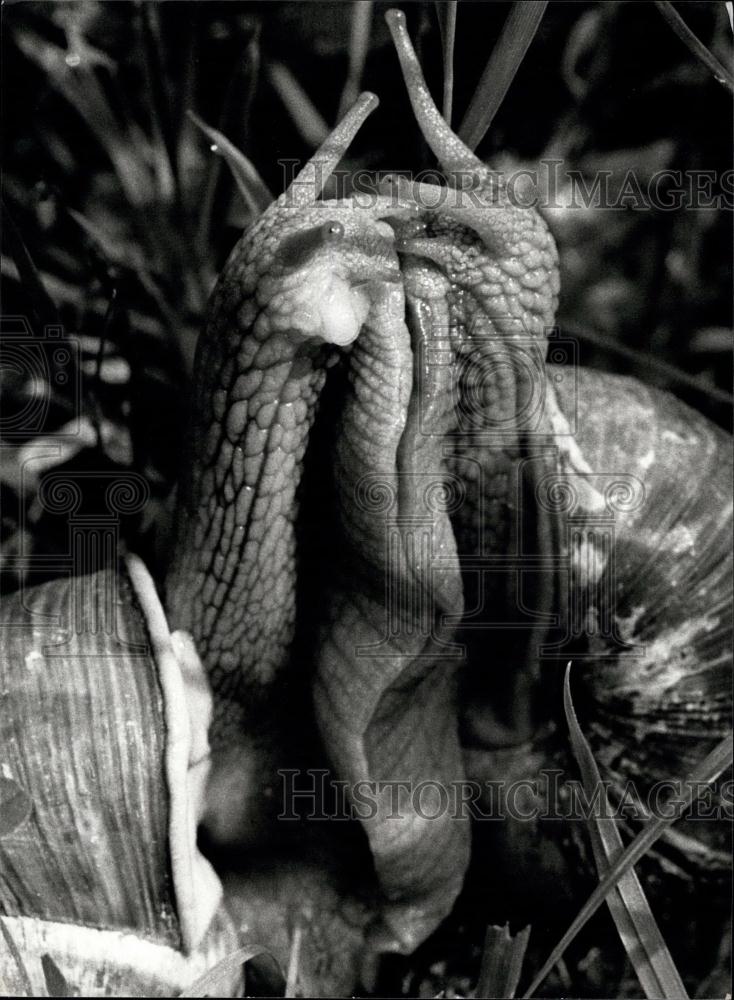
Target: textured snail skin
x=472 y=282
x=260 y=367
x=305 y=277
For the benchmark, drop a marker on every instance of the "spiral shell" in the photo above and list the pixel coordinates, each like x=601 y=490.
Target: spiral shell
x=103 y=759
x=654 y=688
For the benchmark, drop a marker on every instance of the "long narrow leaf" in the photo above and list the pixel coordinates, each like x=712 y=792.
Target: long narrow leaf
x=16 y=805
x=306 y=116
x=219 y=978
x=158 y=98
x=291 y=982
x=56 y=984
x=40 y=301
x=446 y=11
x=78 y=84
x=628 y=904
x=252 y=187
x=705 y=774
x=237 y=103
x=650 y=362
x=721 y=74
x=359 y=40
x=518 y=32
x=129 y=256
x=502 y=962
x=15 y=954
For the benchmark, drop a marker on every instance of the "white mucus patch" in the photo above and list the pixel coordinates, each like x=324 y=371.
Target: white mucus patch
x=341 y=309
x=572 y=459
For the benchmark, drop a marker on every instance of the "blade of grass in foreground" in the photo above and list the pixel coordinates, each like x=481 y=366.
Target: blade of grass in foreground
x=291 y=982
x=218 y=980
x=305 y=115
x=628 y=905
x=721 y=74
x=43 y=306
x=501 y=962
x=359 y=41
x=446 y=12
x=17 y=957
x=56 y=984
x=650 y=362
x=707 y=772
x=251 y=186
x=517 y=33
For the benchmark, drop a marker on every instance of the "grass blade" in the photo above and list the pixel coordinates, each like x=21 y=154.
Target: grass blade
x=707 y=772
x=306 y=117
x=17 y=958
x=291 y=982
x=80 y=87
x=517 y=33
x=56 y=984
x=628 y=905
x=129 y=257
x=501 y=962
x=217 y=981
x=446 y=12
x=359 y=41
x=17 y=806
x=696 y=46
x=251 y=186
x=163 y=146
x=648 y=361
x=41 y=303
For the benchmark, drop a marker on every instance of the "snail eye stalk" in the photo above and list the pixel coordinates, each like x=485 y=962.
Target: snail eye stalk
x=299 y=248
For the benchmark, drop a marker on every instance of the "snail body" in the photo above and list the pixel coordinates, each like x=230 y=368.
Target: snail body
x=452 y=570
x=409 y=625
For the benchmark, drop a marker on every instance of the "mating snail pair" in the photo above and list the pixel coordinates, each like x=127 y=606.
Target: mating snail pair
x=483 y=518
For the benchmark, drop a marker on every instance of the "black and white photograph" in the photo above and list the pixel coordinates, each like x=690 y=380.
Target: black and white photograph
x=366 y=499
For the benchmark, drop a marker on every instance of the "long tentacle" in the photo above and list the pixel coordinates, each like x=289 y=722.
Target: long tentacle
x=457 y=160
x=309 y=182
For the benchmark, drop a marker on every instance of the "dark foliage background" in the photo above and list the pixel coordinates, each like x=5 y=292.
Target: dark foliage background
x=117 y=214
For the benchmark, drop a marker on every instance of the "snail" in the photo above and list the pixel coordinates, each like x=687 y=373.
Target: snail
x=104 y=756
x=483 y=516
x=482 y=504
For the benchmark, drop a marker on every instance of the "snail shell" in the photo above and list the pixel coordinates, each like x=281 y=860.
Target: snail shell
x=641 y=532
x=655 y=693
x=103 y=762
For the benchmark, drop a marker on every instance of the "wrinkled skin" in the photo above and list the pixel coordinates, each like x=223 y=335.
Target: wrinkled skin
x=434 y=651
x=304 y=278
